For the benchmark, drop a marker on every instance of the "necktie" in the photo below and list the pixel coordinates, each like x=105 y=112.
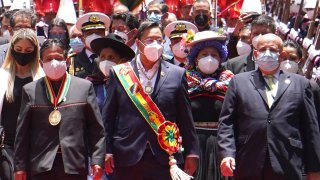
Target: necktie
x=181 y=64
x=93 y=57
x=270 y=95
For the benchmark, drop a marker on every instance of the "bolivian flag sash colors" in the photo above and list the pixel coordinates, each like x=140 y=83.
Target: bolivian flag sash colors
x=167 y=132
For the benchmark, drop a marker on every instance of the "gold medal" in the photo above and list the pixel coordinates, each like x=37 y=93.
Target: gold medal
x=54 y=117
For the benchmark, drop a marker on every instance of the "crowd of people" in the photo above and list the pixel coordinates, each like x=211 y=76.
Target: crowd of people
x=117 y=97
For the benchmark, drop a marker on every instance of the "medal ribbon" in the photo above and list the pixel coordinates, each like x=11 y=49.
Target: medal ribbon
x=64 y=87
x=166 y=131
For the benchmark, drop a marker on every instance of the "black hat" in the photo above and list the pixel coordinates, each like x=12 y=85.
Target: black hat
x=115 y=42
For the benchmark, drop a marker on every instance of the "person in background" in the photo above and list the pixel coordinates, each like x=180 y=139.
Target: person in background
x=58 y=30
x=23 y=18
x=119 y=8
x=59 y=126
x=76 y=44
x=293 y=58
x=201 y=14
x=166 y=19
x=21 y=66
x=5 y=27
x=185 y=9
x=126 y=26
x=154 y=11
x=261 y=25
x=175 y=32
x=208 y=82
x=244 y=42
x=111 y=51
x=93 y=26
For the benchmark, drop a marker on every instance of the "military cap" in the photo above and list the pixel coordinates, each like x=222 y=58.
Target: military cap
x=93 y=20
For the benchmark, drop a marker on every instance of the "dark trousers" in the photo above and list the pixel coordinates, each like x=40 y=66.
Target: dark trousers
x=57 y=172
x=267 y=173
x=6 y=170
x=148 y=168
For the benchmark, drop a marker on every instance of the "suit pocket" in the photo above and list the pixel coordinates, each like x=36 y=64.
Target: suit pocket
x=295 y=143
x=242 y=139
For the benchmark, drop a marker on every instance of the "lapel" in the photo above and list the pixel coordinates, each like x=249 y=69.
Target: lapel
x=171 y=60
x=85 y=62
x=260 y=85
x=249 y=64
x=283 y=84
x=135 y=67
x=162 y=76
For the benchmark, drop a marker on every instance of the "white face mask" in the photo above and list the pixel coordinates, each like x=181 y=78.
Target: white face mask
x=310 y=14
x=243 y=48
x=55 y=69
x=289 y=66
x=90 y=38
x=208 y=65
x=294 y=8
x=255 y=41
x=6 y=35
x=153 y=51
x=105 y=66
x=123 y=35
x=268 y=61
x=177 y=51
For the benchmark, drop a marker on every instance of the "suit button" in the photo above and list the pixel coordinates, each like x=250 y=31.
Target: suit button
x=269 y=121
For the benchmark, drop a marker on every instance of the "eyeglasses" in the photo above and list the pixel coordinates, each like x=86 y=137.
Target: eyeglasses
x=150 y=41
x=153 y=11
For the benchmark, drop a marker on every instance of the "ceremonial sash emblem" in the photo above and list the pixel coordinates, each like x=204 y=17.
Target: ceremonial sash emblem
x=167 y=132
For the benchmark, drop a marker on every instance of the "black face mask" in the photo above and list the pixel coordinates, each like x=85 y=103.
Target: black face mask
x=201 y=20
x=23 y=58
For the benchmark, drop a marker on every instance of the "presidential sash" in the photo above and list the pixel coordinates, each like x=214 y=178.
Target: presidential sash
x=167 y=132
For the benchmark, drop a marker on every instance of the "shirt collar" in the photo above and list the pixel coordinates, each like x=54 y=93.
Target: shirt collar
x=275 y=75
x=89 y=53
x=155 y=67
x=176 y=62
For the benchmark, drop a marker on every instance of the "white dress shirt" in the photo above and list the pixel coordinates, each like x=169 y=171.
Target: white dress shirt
x=151 y=72
x=89 y=53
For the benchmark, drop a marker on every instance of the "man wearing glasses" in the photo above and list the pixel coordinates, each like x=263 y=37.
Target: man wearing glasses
x=133 y=151
x=23 y=18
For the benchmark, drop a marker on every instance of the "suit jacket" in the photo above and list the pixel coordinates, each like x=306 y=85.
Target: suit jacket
x=82 y=66
x=287 y=132
x=80 y=133
x=127 y=132
x=241 y=64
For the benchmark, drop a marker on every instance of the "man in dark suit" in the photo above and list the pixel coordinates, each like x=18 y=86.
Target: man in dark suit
x=244 y=63
x=132 y=147
x=93 y=25
x=56 y=137
x=268 y=125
